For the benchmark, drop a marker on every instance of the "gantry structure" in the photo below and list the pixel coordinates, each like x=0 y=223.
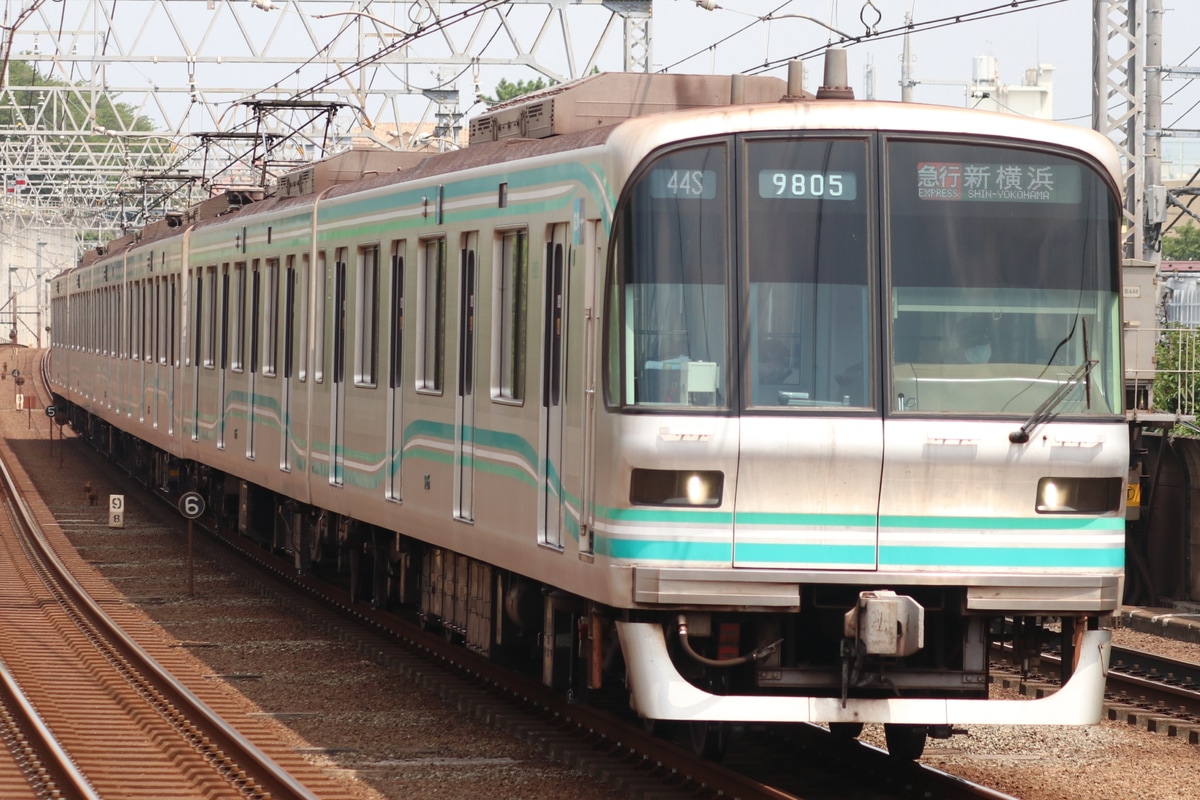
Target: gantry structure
x=114 y=111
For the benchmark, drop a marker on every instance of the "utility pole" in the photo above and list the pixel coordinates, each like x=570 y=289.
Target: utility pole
x=906 y=79
x=1155 y=205
x=1116 y=101
x=37 y=293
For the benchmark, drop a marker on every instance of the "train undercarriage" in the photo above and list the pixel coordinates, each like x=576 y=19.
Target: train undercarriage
x=577 y=646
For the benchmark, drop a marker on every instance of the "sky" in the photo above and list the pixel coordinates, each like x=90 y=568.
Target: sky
x=687 y=38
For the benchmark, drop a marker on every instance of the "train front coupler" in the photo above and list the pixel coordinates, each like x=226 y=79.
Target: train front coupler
x=882 y=624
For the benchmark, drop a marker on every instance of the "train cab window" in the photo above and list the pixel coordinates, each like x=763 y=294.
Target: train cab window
x=668 y=292
x=807 y=247
x=1004 y=282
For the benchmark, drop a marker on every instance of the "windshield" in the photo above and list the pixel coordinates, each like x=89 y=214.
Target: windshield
x=793 y=273
x=808 y=255
x=1004 y=281
x=669 y=312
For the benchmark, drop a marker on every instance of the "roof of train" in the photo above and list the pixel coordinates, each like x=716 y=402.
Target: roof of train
x=629 y=110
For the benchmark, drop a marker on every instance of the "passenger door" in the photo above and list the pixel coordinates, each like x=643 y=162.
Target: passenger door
x=554 y=365
x=464 y=423
x=811 y=440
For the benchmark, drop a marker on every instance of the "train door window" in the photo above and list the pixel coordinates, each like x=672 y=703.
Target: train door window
x=132 y=325
x=172 y=321
x=807 y=247
x=121 y=333
x=304 y=290
x=667 y=329
x=160 y=344
x=197 y=312
x=509 y=316
x=139 y=324
x=136 y=322
x=339 y=316
x=150 y=321
x=366 y=317
x=319 y=316
x=1005 y=282
x=271 y=318
x=225 y=318
x=289 y=349
x=210 y=316
x=153 y=296
x=255 y=315
x=431 y=315
x=237 y=322
x=394 y=403
x=145 y=320
x=396 y=329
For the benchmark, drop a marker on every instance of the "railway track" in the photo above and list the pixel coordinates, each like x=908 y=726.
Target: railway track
x=764 y=762
x=90 y=711
x=1155 y=692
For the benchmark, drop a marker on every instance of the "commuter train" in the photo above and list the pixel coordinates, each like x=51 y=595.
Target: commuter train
x=760 y=406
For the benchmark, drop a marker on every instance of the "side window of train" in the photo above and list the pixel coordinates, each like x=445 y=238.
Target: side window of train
x=366 y=317
x=509 y=316
x=431 y=315
x=668 y=304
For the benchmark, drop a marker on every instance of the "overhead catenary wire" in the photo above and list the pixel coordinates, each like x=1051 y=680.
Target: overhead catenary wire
x=423 y=27
x=985 y=13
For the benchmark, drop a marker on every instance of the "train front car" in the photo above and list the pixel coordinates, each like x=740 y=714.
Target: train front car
x=865 y=411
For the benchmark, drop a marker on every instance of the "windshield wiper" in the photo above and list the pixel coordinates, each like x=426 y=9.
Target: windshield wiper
x=1048 y=406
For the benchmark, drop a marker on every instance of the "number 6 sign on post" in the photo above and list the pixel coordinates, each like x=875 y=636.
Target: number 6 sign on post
x=191 y=505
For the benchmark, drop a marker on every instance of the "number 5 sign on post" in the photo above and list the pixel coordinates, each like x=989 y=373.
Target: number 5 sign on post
x=191 y=505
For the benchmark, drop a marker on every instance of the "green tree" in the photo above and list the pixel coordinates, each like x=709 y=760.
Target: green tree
x=506 y=90
x=1183 y=244
x=1177 y=371
x=23 y=104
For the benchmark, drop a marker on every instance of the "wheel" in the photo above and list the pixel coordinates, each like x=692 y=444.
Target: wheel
x=845 y=731
x=708 y=739
x=905 y=742
x=660 y=728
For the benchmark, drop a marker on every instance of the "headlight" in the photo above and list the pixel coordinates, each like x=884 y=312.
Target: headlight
x=668 y=487
x=1078 y=495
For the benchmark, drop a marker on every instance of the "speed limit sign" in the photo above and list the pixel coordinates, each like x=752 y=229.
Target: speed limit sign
x=191 y=505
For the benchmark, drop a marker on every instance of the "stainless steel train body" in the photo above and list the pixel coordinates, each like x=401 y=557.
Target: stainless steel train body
x=770 y=409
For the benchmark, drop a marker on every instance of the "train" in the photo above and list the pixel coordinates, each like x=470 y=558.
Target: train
x=749 y=404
